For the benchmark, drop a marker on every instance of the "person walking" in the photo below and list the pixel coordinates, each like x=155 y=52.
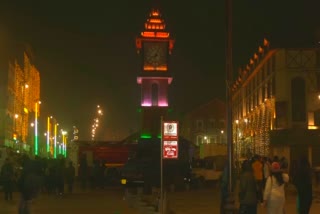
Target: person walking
x=70 y=174
x=257 y=167
x=247 y=190
x=274 y=193
x=303 y=182
x=7 y=174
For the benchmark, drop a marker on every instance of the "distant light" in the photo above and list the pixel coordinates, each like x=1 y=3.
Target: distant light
x=16 y=116
x=32 y=124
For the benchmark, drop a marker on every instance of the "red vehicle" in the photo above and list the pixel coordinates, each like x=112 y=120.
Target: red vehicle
x=112 y=154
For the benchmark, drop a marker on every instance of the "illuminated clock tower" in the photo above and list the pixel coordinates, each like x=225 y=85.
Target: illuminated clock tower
x=154 y=46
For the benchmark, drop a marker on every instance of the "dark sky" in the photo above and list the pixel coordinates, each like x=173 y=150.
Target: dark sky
x=85 y=50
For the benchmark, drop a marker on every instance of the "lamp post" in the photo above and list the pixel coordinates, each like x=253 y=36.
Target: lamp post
x=15 y=134
x=64 y=142
x=55 y=140
x=229 y=203
x=36 y=137
x=48 y=134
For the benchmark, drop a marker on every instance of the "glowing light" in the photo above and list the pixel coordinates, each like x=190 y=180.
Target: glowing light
x=55 y=141
x=140 y=79
x=64 y=142
x=32 y=124
x=16 y=116
x=155 y=34
x=155 y=21
x=157 y=68
x=48 y=134
x=36 y=144
x=145 y=136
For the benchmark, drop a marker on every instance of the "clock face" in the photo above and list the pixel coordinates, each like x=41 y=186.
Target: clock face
x=155 y=54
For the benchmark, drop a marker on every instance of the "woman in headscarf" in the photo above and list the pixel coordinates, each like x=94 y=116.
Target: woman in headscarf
x=274 y=193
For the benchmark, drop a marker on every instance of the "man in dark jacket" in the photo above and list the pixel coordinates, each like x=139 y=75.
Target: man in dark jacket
x=7 y=174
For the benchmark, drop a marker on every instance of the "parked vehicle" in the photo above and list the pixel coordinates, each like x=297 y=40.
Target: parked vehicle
x=208 y=169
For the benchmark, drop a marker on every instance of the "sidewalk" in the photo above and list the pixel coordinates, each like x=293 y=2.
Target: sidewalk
x=208 y=201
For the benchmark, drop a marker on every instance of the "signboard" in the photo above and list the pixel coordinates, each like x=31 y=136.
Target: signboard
x=170 y=149
x=170 y=139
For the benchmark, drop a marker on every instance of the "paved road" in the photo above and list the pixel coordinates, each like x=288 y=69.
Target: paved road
x=111 y=201
x=100 y=201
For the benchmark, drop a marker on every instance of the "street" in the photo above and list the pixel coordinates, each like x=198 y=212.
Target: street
x=108 y=201
x=111 y=201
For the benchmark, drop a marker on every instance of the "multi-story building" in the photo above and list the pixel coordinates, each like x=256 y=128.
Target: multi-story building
x=276 y=108
x=205 y=127
x=20 y=97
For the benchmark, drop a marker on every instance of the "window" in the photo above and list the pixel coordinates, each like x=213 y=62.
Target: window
x=221 y=124
x=211 y=123
x=213 y=139
x=298 y=99
x=199 y=124
x=199 y=140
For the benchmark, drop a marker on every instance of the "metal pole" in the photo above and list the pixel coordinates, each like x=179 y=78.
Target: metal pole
x=229 y=75
x=161 y=167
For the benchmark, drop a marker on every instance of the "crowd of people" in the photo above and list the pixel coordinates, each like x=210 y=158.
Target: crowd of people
x=263 y=181
x=49 y=176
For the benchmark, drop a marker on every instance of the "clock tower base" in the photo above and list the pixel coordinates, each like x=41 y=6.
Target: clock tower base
x=151 y=121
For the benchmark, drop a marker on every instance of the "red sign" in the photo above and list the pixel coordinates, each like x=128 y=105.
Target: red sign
x=170 y=139
x=170 y=149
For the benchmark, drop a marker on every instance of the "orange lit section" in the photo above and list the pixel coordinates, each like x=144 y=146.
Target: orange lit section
x=155 y=21
x=155 y=30
x=155 y=34
x=158 y=68
x=155 y=13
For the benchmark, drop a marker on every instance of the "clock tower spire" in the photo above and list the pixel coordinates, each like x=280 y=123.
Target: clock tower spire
x=154 y=45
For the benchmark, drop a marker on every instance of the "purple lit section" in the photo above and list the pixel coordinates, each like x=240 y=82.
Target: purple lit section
x=154 y=91
x=163 y=102
x=146 y=104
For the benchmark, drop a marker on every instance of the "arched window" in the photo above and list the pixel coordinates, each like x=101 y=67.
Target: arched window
x=154 y=94
x=298 y=99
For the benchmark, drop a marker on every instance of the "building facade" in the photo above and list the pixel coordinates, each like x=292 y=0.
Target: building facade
x=205 y=128
x=20 y=96
x=275 y=104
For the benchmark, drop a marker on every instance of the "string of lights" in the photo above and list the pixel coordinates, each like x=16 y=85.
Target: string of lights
x=96 y=121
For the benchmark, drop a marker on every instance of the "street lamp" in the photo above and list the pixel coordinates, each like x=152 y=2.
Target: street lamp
x=96 y=122
x=48 y=133
x=64 y=142
x=36 y=138
x=55 y=140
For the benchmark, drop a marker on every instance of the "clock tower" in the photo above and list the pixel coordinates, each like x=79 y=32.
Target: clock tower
x=154 y=45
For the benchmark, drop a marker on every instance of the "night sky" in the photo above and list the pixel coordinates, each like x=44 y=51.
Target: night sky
x=85 y=51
